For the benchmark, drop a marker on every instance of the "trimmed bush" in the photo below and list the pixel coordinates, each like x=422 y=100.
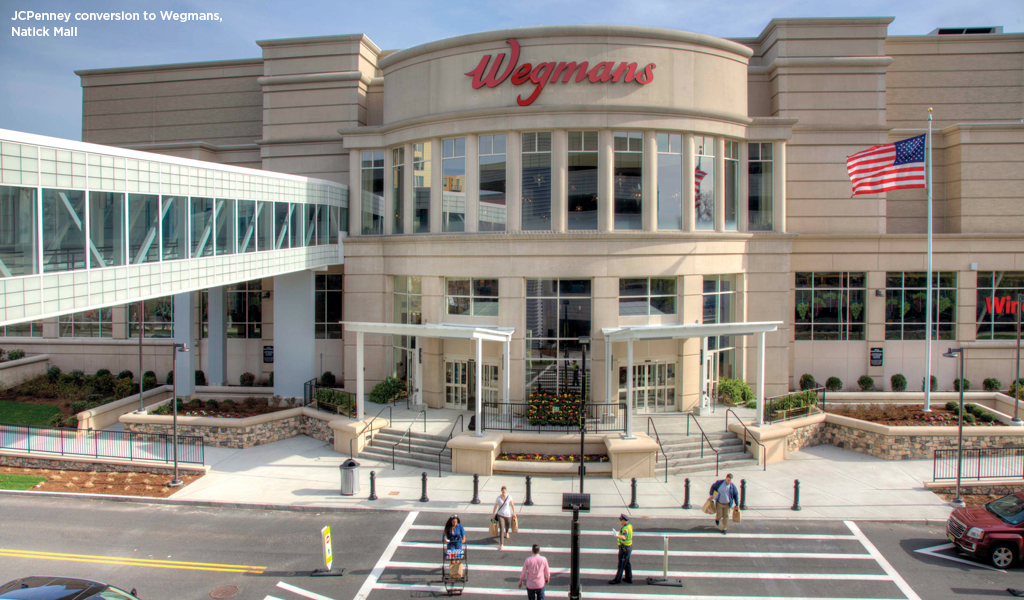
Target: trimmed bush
x=328 y=379
x=166 y=409
x=170 y=378
x=935 y=383
x=16 y=355
x=91 y=405
x=123 y=388
x=991 y=384
x=107 y=400
x=53 y=373
x=751 y=404
x=807 y=382
x=2 y=355
x=247 y=380
x=386 y=391
x=735 y=391
x=103 y=372
x=1013 y=391
x=952 y=407
x=149 y=374
x=212 y=404
x=833 y=384
x=228 y=405
x=968 y=417
x=66 y=379
x=866 y=383
x=93 y=398
x=251 y=403
x=79 y=405
x=200 y=377
x=957 y=384
x=104 y=384
x=78 y=374
x=149 y=381
x=973 y=409
x=71 y=422
x=126 y=374
x=898 y=383
x=56 y=420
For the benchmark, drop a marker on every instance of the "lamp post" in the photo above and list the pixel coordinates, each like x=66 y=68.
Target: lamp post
x=958 y=502
x=1016 y=380
x=176 y=482
x=142 y=405
x=584 y=342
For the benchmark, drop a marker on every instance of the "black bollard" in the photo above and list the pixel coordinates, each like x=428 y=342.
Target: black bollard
x=686 y=494
x=796 y=494
x=373 y=485
x=476 y=489
x=633 y=503
x=529 y=491
x=424 y=498
x=743 y=494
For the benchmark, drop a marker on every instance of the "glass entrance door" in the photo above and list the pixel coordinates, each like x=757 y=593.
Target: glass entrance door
x=460 y=383
x=654 y=386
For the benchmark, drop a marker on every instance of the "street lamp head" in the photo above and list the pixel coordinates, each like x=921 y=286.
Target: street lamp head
x=181 y=347
x=584 y=341
x=953 y=352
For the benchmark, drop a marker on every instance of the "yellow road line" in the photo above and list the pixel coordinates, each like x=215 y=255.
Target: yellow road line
x=135 y=562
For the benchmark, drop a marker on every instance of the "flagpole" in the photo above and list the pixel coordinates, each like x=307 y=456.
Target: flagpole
x=928 y=301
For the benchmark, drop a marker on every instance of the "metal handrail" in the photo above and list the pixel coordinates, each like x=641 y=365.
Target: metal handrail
x=657 y=438
x=703 y=435
x=363 y=430
x=451 y=432
x=764 y=451
x=408 y=432
x=766 y=405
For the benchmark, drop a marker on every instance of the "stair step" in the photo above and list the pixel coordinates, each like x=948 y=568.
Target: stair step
x=688 y=457
x=748 y=462
x=390 y=439
x=708 y=458
x=405 y=459
x=402 y=451
x=685 y=446
x=419 y=435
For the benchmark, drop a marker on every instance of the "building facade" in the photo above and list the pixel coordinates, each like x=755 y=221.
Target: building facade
x=563 y=180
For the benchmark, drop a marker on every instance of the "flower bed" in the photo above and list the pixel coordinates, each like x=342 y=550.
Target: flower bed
x=226 y=409
x=914 y=415
x=564 y=410
x=568 y=458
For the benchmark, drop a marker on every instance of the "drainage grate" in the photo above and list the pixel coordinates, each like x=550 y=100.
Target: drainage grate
x=224 y=591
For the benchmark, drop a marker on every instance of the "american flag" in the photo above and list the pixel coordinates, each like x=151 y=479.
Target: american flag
x=896 y=166
x=697 y=176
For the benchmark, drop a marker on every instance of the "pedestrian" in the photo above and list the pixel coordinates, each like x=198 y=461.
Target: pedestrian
x=504 y=512
x=536 y=574
x=723 y=492
x=575 y=373
x=454 y=538
x=624 y=537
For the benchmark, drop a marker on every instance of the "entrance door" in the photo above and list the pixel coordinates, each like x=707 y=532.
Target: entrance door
x=654 y=386
x=460 y=383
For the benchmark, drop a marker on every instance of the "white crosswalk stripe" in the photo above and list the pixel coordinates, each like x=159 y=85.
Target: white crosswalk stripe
x=598 y=595
x=301 y=592
x=672 y=534
x=477 y=547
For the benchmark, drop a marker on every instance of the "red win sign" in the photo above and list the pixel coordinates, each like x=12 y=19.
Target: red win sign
x=554 y=72
x=1004 y=305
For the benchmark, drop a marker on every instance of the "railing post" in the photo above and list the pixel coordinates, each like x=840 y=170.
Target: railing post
x=743 y=494
x=529 y=491
x=476 y=489
x=373 y=486
x=61 y=441
x=28 y=439
x=633 y=503
x=686 y=494
x=96 y=442
x=423 y=497
x=979 y=464
x=796 y=495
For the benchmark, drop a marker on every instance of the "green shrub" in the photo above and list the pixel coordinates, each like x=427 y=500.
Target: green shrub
x=328 y=379
x=972 y=409
x=985 y=416
x=735 y=391
x=966 y=384
x=247 y=380
x=386 y=391
x=833 y=384
x=228 y=405
x=195 y=404
x=1013 y=391
x=104 y=383
x=346 y=402
x=991 y=384
x=200 y=378
x=126 y=374
x=53 y=373
x=212 y=404
x=866 y=383
x=166 y=409
x=66 y=379
x=251 y=403
x=56 y=420
x=102 y=372
x=79 y=405
x=71 y=422
x=170 y=378
x=952 y=407
x=107 y=400
x=78 y=374
x=968 y=417
x=791 y=403
x=935 y=383
x=16 y=355
x=123 y=388
x=91 y=405
x=898 y=382
x=751 y=404
x=149 y=381
x=2 y=355
x=807 y=382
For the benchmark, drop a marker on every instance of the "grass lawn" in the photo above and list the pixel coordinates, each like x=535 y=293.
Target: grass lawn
x=18 y=482
x=22 y=413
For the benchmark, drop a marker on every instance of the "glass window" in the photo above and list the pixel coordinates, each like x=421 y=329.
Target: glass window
x=336 y=213
x=89 y=323
x=246 y=226
x=670 y=181
x=477 y=297
x=310 y=232
x=407 y=308
x=244 y=310
x=720 y=307
x=174 y=211
x=421 y=183
x=536 y=157
x=492 y=183
x=106 y=229
x=704 y=182
x=453 y=188
x=328 y=308
x=647 y=296
x=398 y=190
x=629 y=180
x=23 y=329
x=583 y=180
x=295 y=225
x=265 y=226
x=157 y=318
x=906 y=296
x=830 y=306
x=732 y=183
x=760 y=186
x=202 y=227
x=143 y=225
x=558 y=313
x=63 y=230
x=224 y=217
x=17 y=231
x=282 y=221
x=998 y=304
x=372 y=222
x=323 y=225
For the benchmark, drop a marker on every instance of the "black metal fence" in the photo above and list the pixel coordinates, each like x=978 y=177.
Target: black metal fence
x=309 y=391
x=500 y=416
x=126 y=445
x=794 y=405
x=980 y=463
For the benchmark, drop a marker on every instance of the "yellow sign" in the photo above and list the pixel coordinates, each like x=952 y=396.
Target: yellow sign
x=326 y=531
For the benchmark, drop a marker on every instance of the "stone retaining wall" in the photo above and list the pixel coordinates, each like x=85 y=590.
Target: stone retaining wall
x=805 y=437
x=64 y=464
x=229 y=437
x=317 y=428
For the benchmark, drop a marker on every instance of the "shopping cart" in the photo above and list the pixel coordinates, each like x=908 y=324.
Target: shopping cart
x=454 y=570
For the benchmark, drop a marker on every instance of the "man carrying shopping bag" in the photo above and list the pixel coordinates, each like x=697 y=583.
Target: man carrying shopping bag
x=725 y=496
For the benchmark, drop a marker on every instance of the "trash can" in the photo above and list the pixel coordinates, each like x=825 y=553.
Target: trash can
x=349 y=477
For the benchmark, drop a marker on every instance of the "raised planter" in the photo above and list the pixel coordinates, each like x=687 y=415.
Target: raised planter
x=104 y=416
x=16 y=372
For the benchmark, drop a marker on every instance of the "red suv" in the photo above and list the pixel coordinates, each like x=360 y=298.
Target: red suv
x=994 y=531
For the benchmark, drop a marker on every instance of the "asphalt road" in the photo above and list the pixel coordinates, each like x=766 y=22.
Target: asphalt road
x=172 y=552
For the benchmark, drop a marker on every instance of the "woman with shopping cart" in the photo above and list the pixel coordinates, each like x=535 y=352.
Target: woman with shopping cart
x=454 y=567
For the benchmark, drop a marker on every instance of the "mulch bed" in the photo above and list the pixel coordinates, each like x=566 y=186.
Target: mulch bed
x=94 y=482
x=969 y=499
x=911 y=414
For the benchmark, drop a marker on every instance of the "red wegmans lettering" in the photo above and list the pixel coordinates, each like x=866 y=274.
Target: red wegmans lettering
x=553 y=72
x=1002 y=305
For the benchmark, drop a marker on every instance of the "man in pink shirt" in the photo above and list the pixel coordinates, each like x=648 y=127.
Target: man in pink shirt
x=536 y=574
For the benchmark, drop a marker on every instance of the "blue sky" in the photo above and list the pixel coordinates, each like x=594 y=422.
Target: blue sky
x=41 y=94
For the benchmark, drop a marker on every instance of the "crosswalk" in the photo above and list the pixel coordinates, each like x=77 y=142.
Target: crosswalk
x=790 y=561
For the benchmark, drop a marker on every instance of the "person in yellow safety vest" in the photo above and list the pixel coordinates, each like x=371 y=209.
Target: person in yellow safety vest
x=624 y=536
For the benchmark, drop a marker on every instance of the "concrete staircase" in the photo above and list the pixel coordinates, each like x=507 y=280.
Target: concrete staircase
x=684 y=453
x=423 y=454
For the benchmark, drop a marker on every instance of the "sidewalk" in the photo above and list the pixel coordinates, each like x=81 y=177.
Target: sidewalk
x=834 y=484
